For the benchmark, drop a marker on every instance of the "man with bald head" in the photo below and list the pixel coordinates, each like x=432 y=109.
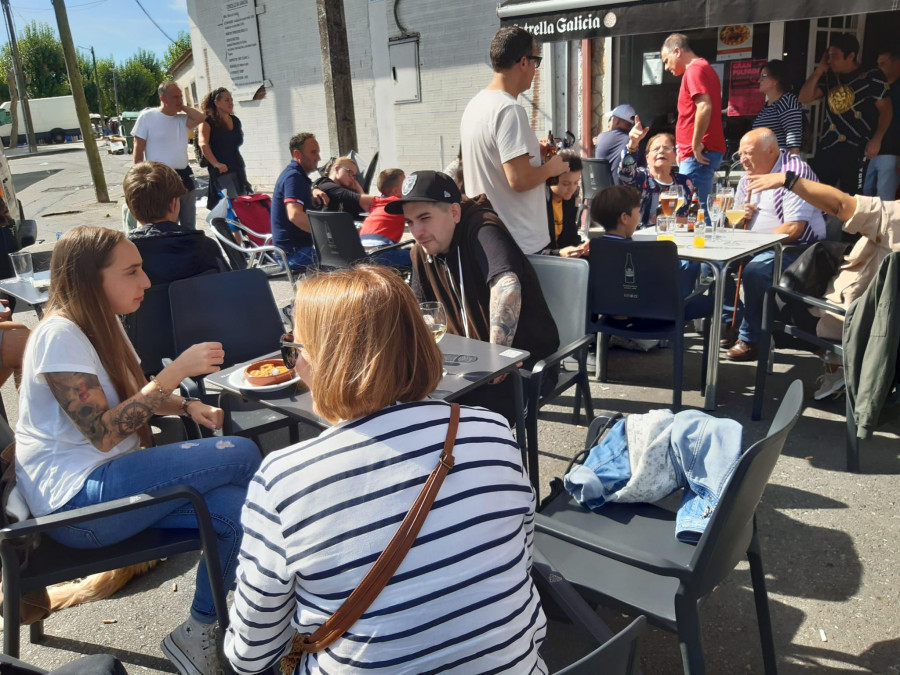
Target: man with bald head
x=773 y=211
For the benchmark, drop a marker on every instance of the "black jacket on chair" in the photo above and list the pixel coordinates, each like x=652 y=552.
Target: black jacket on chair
x=171 y=253
x=569 y=235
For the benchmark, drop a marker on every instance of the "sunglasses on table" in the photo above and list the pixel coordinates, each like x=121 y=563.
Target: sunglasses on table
x=290 y=350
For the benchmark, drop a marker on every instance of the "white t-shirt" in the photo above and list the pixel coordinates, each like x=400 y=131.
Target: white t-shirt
x=166 y=137
x=53 y=458
x=495 y=129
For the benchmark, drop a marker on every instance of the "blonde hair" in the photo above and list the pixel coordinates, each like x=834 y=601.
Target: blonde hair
x=76 y=268
x=366 y=340
x=339 y=162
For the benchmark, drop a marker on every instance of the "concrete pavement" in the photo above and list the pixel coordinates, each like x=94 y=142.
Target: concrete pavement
x=831 y=540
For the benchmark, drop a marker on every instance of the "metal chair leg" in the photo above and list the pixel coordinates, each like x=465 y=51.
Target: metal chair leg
x=688 y=620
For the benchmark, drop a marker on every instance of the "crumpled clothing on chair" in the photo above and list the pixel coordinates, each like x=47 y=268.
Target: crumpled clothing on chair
x=644 y=458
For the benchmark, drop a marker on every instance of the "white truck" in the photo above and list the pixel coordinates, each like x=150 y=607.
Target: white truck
x=54 y=118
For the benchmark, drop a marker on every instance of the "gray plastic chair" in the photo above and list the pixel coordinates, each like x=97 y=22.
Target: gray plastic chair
x=627 y=556
x=564 y=283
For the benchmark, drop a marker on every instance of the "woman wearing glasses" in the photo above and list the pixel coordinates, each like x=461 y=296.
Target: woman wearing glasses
x=83 y=434
x=319 y=513
x=782 y=112
x=658 y=176
x=343 y=189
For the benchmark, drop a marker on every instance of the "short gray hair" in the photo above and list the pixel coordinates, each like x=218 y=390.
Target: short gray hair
x=677 y=41
x=164 y=87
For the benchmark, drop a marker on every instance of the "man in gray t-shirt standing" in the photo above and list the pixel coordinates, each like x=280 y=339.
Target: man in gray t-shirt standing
x=160 y=135
x=501 y=155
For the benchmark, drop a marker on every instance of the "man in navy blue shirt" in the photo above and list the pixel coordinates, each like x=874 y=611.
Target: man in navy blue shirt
x=609 y=144
x=292 y=198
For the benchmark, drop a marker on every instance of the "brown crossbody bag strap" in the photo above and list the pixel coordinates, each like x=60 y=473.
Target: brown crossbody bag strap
x=386 y=565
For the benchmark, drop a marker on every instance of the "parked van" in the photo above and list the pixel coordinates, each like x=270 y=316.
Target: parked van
x=54 y=118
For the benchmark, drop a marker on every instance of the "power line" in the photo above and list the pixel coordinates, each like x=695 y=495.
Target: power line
x=154 y=22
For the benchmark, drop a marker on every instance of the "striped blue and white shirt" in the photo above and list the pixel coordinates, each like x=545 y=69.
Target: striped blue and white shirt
x=779 y=206
x=319 y=513
x=785 y=119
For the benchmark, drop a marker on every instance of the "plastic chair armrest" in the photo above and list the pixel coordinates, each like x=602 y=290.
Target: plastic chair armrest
x=56 y=520
x=806 y=299
x=391 y=247
x=619 y=552
x=562 y=353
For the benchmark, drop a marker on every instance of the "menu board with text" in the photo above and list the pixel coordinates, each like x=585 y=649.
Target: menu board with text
x=743 y=88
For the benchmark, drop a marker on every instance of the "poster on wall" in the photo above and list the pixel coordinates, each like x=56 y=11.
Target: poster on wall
x=242 y=55
x=743 y=90
x=735 y=42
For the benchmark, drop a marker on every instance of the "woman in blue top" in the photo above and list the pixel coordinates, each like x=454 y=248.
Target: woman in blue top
x=657 y=176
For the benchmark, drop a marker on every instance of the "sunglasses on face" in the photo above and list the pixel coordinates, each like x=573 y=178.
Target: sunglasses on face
x=290 y=350
x=537 y=60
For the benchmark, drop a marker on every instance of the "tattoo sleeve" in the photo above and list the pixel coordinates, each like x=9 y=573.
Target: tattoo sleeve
x=506 y=303
x=81 y=397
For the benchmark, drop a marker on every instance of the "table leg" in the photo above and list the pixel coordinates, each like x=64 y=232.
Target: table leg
x=39 y=310
x=715 y=334
x=776 y=277
x=520 y=427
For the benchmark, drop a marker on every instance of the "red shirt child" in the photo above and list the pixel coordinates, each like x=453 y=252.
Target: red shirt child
x=379 y=222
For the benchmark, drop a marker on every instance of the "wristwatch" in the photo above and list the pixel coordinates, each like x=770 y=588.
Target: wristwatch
x=184 y=405
x=790 y=179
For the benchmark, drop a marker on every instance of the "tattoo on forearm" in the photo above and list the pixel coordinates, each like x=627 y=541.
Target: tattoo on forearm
x=82 y=398
x=506 y=303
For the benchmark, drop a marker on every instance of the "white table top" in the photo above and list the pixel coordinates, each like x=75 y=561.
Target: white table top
x=727 y=247
x=26 y=292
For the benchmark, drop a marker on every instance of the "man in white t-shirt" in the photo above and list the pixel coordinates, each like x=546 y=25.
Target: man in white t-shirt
x=501 y=156
x=161 y=135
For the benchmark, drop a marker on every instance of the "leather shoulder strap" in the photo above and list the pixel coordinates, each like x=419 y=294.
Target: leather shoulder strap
x=386 y=565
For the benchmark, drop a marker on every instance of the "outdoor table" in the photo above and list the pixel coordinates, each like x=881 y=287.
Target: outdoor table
x=27 y=293
x=728 y=248
x=468 y=364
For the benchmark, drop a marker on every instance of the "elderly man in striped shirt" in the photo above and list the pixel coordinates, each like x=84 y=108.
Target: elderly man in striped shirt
x=778 y=211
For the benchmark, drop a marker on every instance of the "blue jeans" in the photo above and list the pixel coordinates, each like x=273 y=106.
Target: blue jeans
x=702 y=175
x=397 y=257
x=755 y=280
x=220 y=468
x=300 y=258
x=882 y=177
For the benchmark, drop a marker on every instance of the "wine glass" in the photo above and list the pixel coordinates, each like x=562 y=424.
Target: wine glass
x=714 y=208
x=735 y=211
x=679 y=203
x=435 y=317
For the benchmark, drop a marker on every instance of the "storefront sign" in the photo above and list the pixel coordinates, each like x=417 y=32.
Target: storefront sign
x=744 y=98
x=242 y=55
x=735 y=42
x=652 y=72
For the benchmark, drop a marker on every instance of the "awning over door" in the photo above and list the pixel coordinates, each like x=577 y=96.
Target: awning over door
x=556 y=20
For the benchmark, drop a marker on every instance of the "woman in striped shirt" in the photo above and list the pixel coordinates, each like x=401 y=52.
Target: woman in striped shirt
x=782 y=112
x=319 y=513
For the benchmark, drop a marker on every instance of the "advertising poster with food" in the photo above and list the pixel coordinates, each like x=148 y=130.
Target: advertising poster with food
x=743 y=88
x=735 y=42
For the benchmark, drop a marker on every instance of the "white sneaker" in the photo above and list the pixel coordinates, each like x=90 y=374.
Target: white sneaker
x=830 y=382
x=192 y=648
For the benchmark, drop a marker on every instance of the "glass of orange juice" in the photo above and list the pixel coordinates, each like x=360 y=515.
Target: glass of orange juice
x=665 y=229
x=700 y=234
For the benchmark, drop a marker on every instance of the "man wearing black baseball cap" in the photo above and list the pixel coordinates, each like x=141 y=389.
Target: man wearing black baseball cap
x=465 y=258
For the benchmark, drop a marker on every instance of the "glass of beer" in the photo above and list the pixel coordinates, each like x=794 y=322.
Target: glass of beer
x=668 y=201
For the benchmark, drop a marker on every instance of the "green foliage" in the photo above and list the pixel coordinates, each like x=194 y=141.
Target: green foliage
x=180 y=46
x=43 y=62
x=137 y=83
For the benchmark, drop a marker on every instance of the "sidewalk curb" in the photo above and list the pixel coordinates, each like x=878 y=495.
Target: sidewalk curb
x=38 y=153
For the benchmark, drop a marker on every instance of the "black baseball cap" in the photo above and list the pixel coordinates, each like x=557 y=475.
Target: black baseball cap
x=425 y=186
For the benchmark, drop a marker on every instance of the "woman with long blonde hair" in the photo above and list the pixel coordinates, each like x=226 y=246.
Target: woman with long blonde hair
x=83 y=438
x=320 y=512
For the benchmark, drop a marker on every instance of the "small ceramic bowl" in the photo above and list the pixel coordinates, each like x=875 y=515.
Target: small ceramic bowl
x=258 y=381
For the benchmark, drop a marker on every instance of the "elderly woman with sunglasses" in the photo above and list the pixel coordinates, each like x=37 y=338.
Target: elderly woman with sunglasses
x=318 y=514
x=659 y=174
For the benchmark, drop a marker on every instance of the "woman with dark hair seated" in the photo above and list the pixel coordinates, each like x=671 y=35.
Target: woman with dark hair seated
x=782 y=112
x=320 y=513
x=562 y=210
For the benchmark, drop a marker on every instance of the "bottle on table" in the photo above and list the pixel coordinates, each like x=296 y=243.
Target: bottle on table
x=693 y=212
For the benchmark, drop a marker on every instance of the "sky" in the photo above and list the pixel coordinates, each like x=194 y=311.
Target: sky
x=115 y=28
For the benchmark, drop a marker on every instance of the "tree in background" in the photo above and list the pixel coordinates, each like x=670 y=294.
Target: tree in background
x=43 y=62
x=176 y=49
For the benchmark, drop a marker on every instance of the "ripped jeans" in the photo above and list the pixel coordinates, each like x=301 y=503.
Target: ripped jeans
x=219 y=468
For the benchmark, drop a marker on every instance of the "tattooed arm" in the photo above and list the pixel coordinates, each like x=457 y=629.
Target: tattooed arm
x=506 y=302
x=81 y=397
x=83 y=400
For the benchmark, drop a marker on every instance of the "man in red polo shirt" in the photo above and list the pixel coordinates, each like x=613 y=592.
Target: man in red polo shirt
x=698 y=132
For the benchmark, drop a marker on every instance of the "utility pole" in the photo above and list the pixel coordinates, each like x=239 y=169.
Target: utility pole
x=336 y=68
x=23 y=93
x=99 y=89
x=116 y=97
x=13 y=109
x=81 y=107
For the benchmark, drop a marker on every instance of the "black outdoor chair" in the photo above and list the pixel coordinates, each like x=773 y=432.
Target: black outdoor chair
x=597 y=174
x=96 y=663
x=564 y=284
x=51 y=563
x=641 y=280
x=337 y=241
x=627 y=556
x=237 y=309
